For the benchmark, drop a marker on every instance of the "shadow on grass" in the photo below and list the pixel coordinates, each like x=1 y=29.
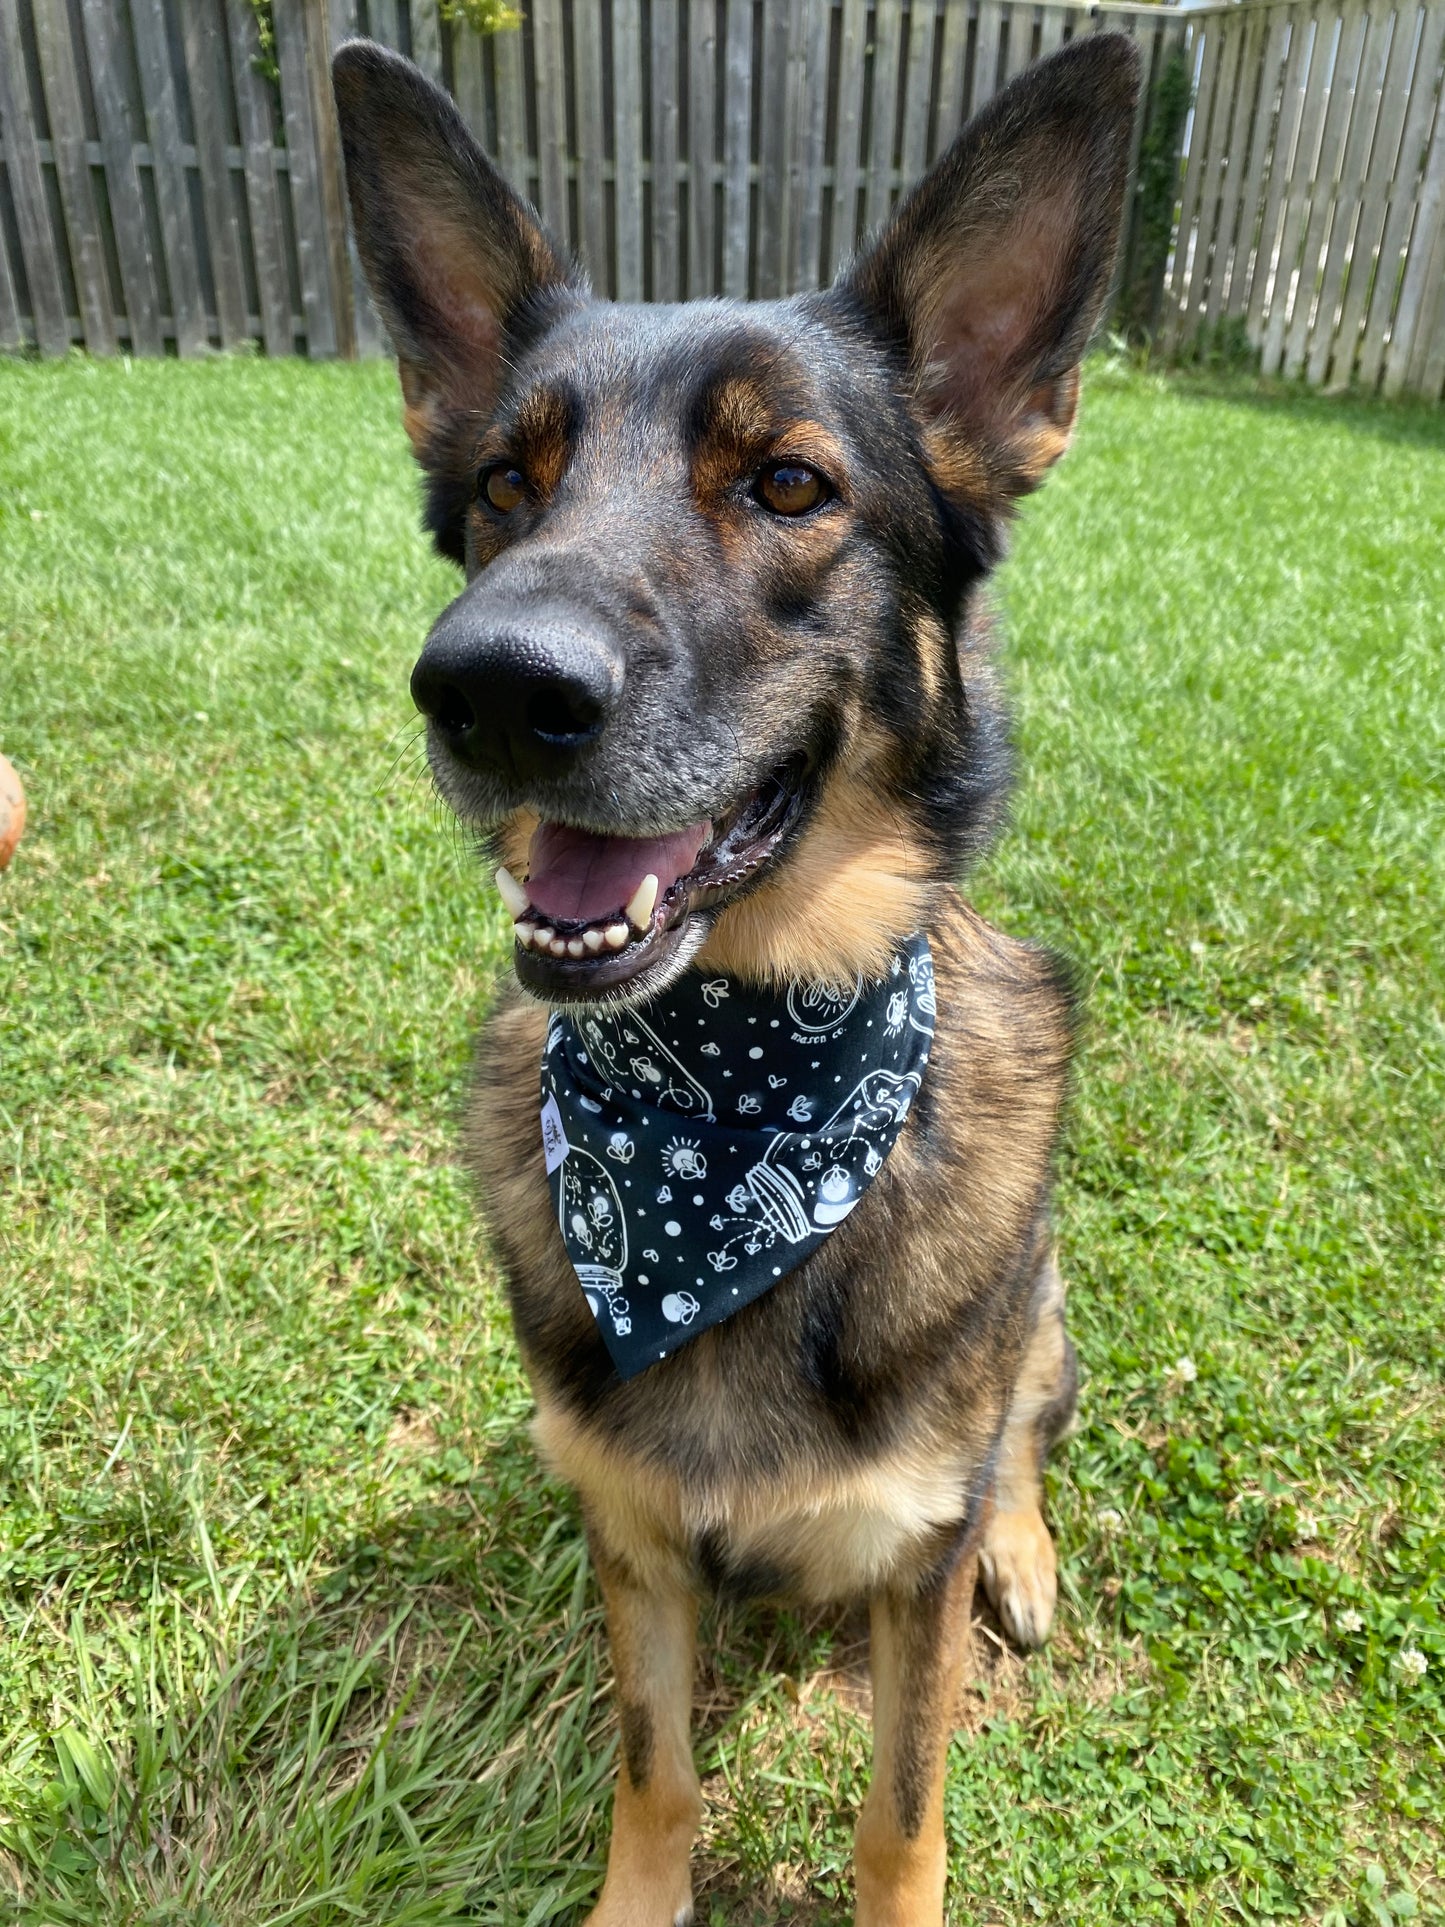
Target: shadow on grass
x=423 y=1734
x=1408 y=421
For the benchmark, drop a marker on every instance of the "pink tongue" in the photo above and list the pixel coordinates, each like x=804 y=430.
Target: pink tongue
x=577 y=877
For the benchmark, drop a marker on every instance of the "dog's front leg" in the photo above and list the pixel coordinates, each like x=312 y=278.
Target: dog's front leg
x=919 y=1646
x=659 y=1802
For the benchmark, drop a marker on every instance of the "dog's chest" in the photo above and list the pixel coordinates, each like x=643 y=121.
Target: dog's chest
x=806 y=1444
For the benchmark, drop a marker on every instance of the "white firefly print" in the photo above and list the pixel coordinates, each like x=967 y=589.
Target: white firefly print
x=801 y=1109
x=684 y=1159
x=749 y=1105
x=714 y=992
x=680 y=1308
x=621 y=1147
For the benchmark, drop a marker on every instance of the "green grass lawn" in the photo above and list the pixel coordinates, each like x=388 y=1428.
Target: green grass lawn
x=291 y=1627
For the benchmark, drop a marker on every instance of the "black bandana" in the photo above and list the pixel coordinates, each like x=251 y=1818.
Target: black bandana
x=702 y=1147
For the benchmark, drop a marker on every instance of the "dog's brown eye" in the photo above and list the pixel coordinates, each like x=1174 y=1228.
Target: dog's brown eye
x=503 y=487
x=788 y=488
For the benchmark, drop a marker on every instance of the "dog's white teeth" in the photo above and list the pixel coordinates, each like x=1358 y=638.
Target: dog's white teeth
x=641 y=904
x=615 y=936
x=593 y=939
x=542 y=937
x=576 y=947
x=511 y=892
x=524 y=933
x=558 y=947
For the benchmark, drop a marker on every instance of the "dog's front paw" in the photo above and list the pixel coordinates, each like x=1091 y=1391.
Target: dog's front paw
x=602 y=1916
x=1020 y=1575
x=642 y=1906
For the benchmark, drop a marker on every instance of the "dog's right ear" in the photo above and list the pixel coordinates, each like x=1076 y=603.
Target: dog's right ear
x=451 y=253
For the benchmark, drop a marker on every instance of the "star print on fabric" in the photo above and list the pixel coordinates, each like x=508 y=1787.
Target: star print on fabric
x=756 y=1180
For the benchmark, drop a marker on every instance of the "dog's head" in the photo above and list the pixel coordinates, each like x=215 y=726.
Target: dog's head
x=713 y=682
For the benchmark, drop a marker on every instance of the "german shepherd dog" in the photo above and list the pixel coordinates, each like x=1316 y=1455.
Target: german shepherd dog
x=723 y=642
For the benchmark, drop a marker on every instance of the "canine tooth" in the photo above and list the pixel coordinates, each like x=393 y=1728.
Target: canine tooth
x=558 y=947
x=511 y=892
x=543 y=938
x=576 y=947
x=524 y=933
x=593 y=939
x=616 y=935
x=642 y=903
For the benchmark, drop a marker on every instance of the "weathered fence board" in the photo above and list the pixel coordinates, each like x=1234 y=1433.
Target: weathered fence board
x=303 y=166
x=203 y=34
x=847 y=167
x=686 y=147
x=1406 y=354
x=27 y=190
x=60 y=84
x=1380 y=169
x=591 y=238
x=178 y=234
x=737 y=145
x=627 y=146
x=1348 y=189
x=263 y=200
x=12 y=332
x=812 y=31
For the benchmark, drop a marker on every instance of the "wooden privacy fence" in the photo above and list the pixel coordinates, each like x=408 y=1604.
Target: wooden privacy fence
x=159 y=189
x=167 y=183
x=1312 y=218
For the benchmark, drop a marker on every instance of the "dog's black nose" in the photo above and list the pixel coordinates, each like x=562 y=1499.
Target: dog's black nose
x=522 y=696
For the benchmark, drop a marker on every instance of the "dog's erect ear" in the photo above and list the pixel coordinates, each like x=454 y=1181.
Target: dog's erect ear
x=450 y=252
x=991 y=275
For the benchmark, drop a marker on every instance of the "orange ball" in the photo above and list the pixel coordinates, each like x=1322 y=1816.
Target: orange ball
x=12 y=810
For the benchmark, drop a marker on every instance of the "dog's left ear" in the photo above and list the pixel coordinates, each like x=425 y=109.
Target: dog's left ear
x=991 y=275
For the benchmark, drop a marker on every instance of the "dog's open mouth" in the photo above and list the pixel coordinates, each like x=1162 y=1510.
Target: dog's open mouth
x=595 y=911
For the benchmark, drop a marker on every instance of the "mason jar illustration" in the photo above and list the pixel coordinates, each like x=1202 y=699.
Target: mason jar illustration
x=595 y=1233
x=629 y=1051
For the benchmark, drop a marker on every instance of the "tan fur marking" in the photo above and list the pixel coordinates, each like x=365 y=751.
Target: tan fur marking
x=932 y=641
x=856 y=883
x=843 y=1534
x=959 y=468
x=543 y=447
x=1017 y=1561
x=420 y=409
x=742 y=430
x=650 y=1631
x=919 y=1649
